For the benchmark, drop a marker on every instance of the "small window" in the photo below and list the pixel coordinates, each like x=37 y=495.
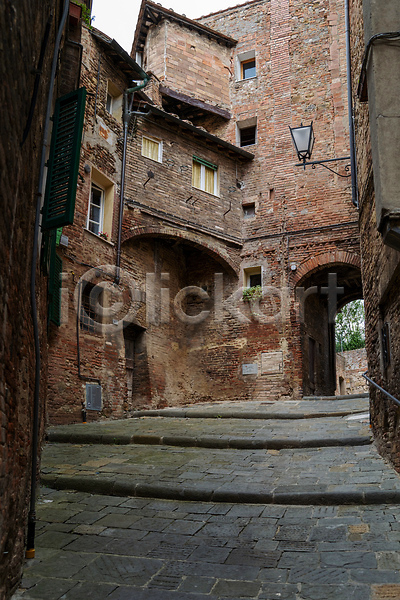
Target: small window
x=152 y=148
x=252 y=277
x=91 y=295
x=245 y=65
x=101 y=202
x=205 y=176
x=248 y=68
x=248 y=136
x=246 y=132
x=249 y=211
x=96 y=209
x=113 y=100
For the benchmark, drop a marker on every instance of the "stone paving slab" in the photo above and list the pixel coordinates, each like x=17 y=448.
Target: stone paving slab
x=281 y=409
x=178 y=550
x=355 y=474
x=221 y=433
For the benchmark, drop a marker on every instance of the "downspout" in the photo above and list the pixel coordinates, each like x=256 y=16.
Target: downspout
x=126 y=117
x=354 y=184
x=30 y=547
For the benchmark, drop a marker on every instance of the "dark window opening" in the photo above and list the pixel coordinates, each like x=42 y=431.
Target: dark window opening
x=249 y=211
x=385 y=337
x=248 y=136
x=255 y=279
x=109 y=103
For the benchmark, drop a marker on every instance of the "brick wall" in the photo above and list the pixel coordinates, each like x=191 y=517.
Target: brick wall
x=195 y=65
x=303 y=219
x=22 y=29
x=304 y=224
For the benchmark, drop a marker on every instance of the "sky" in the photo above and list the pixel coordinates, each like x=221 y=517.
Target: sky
x=117 y=18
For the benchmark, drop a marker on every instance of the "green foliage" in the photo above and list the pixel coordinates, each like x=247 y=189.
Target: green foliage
x=349 y=327
x=252 y=293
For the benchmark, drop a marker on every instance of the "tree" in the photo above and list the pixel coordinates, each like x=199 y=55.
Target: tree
x=349 y=327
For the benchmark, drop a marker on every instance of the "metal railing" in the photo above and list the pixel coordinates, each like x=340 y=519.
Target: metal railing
x=380 y=388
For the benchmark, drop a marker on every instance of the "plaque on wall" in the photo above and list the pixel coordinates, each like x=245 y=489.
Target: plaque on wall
x=250 y=369
x=271 y=363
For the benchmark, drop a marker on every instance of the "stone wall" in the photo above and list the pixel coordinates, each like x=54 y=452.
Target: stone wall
x=350 y=365
x=380 y=265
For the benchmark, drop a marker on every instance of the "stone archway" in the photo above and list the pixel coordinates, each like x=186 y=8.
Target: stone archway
x=324 y=284
x=228 y=259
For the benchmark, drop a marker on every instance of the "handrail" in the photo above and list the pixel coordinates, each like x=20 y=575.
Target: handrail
x=381 y=388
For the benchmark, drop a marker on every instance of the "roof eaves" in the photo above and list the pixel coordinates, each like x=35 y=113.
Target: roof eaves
x=113 y=45
x=239 y=152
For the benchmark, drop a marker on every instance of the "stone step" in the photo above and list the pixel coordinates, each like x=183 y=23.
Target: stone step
x=352 y=430
x=342 y=475
x=310 y=407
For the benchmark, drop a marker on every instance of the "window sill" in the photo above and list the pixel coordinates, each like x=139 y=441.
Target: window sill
x=205 y=192
x=98 y=237
x=159 y=162
x=247 y=79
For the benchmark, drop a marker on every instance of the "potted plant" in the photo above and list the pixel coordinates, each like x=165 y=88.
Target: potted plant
x=252 y=294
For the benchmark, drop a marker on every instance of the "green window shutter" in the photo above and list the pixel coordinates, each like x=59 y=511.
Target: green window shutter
x=204 y=162
x=63 y=165
x=55 y=287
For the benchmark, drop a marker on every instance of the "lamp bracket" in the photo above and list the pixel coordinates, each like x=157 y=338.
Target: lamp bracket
x=314 y=163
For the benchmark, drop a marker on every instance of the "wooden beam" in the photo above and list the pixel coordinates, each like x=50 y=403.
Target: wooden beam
x=210 y=108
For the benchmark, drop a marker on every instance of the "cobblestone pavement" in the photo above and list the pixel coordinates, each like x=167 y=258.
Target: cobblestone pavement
x=207 y=521
x=115 y=548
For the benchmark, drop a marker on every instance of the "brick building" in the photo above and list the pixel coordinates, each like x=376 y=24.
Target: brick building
x=375 y=56
x=153 y=311
x=38 y=41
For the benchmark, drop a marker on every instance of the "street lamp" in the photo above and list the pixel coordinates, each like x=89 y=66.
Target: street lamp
x=303 y=140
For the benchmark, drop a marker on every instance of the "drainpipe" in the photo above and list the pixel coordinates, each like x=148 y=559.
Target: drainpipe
x=30 y=548
x=354 y=185
x=126 y=120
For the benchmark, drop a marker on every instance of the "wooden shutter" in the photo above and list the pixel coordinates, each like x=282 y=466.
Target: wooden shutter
x=63 y=165
x=55 y=288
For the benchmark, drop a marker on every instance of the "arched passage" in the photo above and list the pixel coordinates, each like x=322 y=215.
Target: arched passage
x=321 y=290
x=180 y=356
